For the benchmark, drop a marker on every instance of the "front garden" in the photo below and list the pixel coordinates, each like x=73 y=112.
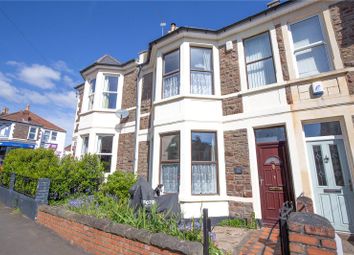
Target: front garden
x=77 y=185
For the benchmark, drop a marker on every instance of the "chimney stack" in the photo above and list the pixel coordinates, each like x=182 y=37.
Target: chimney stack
x=173 y=27
x=4 y=111
x=273 y=3
x=27 y=107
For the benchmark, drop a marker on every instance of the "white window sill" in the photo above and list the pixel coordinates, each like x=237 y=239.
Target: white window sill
x=182 y=97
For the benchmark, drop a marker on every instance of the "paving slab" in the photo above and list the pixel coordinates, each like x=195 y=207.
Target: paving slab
x=22 y=236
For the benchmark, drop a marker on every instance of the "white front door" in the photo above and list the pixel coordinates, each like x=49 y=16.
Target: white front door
x=333 y=190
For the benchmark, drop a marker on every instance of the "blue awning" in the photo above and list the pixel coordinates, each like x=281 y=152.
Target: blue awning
x=17 y=145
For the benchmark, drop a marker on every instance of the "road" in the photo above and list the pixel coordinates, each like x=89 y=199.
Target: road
x=22 y=236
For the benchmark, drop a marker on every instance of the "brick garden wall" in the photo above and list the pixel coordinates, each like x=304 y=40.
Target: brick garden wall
x=99 y=236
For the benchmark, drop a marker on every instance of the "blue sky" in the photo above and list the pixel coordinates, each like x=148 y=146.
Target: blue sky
x=44 y=45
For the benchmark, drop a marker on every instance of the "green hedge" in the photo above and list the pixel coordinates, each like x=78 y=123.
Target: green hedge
x=68 y=175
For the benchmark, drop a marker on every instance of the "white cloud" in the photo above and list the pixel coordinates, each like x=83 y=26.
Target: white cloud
x=68 y=81
x=65 y=99
x=39 y=76
x=8 y=91
x=60 y=65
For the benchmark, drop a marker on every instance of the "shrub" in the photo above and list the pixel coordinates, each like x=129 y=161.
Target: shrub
x=118 y=184
x=68 y=175
x=240 y=223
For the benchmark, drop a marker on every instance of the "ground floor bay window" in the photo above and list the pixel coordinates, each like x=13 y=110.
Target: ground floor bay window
x=204 y=163
x=104 y=150
x=170 y=162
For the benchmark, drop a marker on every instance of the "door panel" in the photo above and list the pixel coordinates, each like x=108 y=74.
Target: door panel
x=334 y=197
x=274 y=189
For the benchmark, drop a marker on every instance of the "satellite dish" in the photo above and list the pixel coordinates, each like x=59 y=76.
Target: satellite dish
x=122 y=113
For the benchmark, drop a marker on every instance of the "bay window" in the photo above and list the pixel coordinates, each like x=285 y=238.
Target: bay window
x=170 y=162
x=5 y=129
x=201 y=71
x=54 y=136
x=309 y=47
x=104 y=150
x=110 y=89
x=259 y=61
x=204 y=163
x=32 y=133
x=171 y=76
x=91 y=94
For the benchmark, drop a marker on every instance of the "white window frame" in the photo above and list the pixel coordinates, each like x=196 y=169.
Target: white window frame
x=29 y=132
x=91 y=95
x=105 y=154
x=51 y=135
x=4 y=126
x=325 y=43
x=172 y=73
x=268 y=31
x=83 y=137
x=110 y=92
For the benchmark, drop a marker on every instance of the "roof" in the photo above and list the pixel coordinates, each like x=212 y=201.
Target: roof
x=67 y=148
x=109 y=61
x=31 y=118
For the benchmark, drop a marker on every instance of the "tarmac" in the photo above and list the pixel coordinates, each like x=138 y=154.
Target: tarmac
x=22 y=236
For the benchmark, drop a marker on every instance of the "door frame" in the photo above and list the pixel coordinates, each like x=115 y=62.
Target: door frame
x=288 y=173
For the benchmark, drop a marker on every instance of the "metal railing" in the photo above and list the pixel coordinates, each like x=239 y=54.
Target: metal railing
x=5 y=179
x=26 y=185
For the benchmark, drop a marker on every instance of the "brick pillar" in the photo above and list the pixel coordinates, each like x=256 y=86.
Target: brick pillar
x=42 y=191
x=12 y=181
x=310 y=234
x=304 y=204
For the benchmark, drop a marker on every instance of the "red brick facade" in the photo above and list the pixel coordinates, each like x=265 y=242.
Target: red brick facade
x=229 y=70
x=232 y=105
x=125 y=155
x=143 y=161
x=145 y=122
x=146 y=93
x=342 y=15
x=96 y=241
x=21 y=131
x=236 y=155
x=129 y=90
x=131 y=117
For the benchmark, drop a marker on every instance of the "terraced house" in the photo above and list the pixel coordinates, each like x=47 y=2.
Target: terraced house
x=237 y=120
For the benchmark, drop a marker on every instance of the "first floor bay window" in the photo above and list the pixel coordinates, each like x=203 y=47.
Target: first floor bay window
x=309 y=47
x=169 y=162
x=171 y=74
x=110 y=92
x=91 y=94
x=204 y=163
x=259 y=61
x=201 y=71
x=104 y=150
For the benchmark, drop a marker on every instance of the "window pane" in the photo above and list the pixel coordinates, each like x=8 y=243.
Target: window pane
x=109 y=100
x=201 y=83
x=105 y=144
x=5 y=130
x=261 y=73
x=46 y=136
x=54 y=136
x=337 y=167
x=321 y=174
x=201 y=59
x=171 y=86
x=171 y=62
x=111 y=83
x=106 y=160
x=203 y=146
x=170 y=147
x=170 y=177
x=204 y=179
x=322 y=129
x=275 y=134
x=93 y=86
x=85 y=142
x=257 y=47
x=306 y=32
x=312 y=61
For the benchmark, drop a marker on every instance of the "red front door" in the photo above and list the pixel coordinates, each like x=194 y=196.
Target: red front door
x=274 y=179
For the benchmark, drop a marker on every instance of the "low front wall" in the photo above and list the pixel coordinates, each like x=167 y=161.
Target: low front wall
x=100 y=236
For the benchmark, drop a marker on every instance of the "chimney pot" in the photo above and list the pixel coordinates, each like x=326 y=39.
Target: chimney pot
x=27 y=107
x=4 y=111
x=173 y=27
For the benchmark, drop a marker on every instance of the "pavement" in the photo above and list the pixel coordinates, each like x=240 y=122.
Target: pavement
x=22 y=236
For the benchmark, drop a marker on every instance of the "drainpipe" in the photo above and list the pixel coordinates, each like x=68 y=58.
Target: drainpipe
x=137 y=120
